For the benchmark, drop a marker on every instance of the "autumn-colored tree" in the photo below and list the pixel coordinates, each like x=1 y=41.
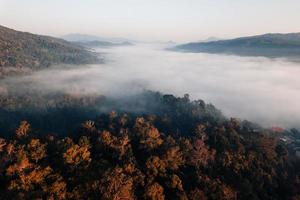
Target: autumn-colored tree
x=118 y=184
x=23 y=129
x=154 y=191
x=174 y=158
x=119 y=145
x=78 y=154
x=155 y=166
x=150 y=139
x=36 y=150
x=180 y=152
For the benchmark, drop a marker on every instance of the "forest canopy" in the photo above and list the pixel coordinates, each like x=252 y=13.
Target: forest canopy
x=153 y=146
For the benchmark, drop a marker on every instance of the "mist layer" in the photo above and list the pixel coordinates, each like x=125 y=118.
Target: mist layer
x=258 y=89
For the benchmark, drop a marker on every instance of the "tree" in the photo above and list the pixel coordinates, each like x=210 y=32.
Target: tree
x=77 y=155
x=23 y=129
x=36 y=149
x=154 y=191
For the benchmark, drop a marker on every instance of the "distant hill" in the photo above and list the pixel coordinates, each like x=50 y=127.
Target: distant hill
x=268 y=45
x=26 y=50
x=76 y=37
x=97 y=43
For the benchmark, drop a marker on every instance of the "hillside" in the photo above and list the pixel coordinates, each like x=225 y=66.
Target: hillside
x=268 y=45
x=175 y=149
x=26 y=50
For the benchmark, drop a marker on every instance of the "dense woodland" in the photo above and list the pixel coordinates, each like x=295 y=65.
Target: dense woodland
x=21 y=52
x=152 y=147
x=272 y=45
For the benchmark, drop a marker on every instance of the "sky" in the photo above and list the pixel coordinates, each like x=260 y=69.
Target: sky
x=163 y=20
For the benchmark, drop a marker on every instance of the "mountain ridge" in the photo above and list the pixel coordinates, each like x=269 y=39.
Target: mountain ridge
x=267 y=45
x=21 y=50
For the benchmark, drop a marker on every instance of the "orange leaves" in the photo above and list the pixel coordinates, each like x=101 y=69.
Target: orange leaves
x=176 y=183
x=117 y=185
x=174 y=158
x=76 y=155
x=120 y=145
x=139 y=159
x=36 y=150
x=149 y=136
x=57 y=190
x=155 y=166
x=201 y=154
x=106 y=138
x=154 y=191
x=27 y=179
x=150 y=139
x=25 y=174
x=18 y=167
x=23 y=129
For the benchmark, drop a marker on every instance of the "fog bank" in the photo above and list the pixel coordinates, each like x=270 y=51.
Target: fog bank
x=258 y=89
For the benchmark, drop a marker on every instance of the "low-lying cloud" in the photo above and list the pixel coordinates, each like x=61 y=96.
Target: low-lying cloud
x=262 y=90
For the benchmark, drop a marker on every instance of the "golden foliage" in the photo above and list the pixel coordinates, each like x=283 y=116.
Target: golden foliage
x=201 y=155
x=176 y=183
x=57 y=190
x=23 y=129
x=76 y=155
x=151 y=139
x=36 y=150
x=154 y=191
x=116 y=185
x=174 y=158
x=120 y=145
x=155 y=166
x=18 y=167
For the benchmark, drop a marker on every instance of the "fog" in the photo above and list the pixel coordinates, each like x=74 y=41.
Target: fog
x=262 y=90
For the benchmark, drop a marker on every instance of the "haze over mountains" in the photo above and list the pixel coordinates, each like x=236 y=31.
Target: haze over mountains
x=267 y=45
x=92 y=41
x=104 y=44
x=75 y=37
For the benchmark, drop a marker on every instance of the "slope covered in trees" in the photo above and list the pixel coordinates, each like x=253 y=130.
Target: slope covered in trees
x=268 y=45
x=21 y=50
x=154 y=147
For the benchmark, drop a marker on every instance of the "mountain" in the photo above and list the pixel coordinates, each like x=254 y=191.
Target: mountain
x=26 y=50
x=267 y=45
x=76 y=37
x=97 y=43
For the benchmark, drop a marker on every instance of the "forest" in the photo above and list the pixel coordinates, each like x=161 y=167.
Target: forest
x=152 y=146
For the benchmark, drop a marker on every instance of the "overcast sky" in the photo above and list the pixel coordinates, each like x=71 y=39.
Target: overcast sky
x=179 y=20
